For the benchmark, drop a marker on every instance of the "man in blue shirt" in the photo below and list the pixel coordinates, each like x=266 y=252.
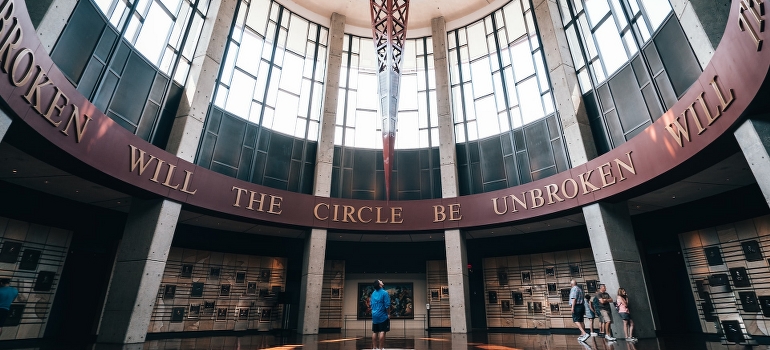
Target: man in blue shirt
x=380 y=304
x=577 y=303
x=7 y=295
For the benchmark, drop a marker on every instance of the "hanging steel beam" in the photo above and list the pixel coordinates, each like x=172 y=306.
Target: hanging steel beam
x=389 y=20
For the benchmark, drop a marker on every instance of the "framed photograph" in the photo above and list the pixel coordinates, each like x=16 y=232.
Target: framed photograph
x=565 y=294
x=214 y=272
x=719 y=279
x=187 y=270
x=528 y=290
x=197 y=290
x=264 y=275
x=435 y=295
x=177 y=314
x=264 y=293
x=502 y=278
x=208 y=307
x=764 y=303
x=401 y=297
x=555 y=308
x=492 y=295
x=275 y=290
x=552 y=287
x=591 y=286
x=530 y=308
x=224 y=290
x=733 y=331
x=708 y=312
x=221 y=314
x=169 y=291
x=538 y=307
x=574 y=270
x=243 y=313
x=195 y=311
x=526 y=277
x=240 y=277
x=550 y=271
x=10 y=251
x=518 y=298
x=44 y=281
x=336 y=293
x=29 y=259
x=505 y=305
x=445 y=291
x=14 y=315
x=751 y=250
x=749 y=301
x=740 y=277
x=713 y=256
x=264 y=315
x=251 y=288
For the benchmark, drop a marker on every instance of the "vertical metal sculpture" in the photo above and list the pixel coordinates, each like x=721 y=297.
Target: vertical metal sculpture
x=389 y=19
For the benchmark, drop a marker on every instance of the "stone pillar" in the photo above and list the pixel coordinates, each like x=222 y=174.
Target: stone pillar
x=52 y=24
x=5 y=123
x=138 y=270
x=693 y=29
x=143 y=251
x=618 y=263
x=454 y=240
x=312 y=281
x=315 y=246
x=191 y=114
x=754 y=139
x=564 y=83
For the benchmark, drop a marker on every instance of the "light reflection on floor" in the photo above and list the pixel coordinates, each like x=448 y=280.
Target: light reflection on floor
x=419 y=340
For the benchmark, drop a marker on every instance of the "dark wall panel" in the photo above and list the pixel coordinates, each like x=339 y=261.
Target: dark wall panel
x=677 y=56
x=632 y=110
x=78 y=41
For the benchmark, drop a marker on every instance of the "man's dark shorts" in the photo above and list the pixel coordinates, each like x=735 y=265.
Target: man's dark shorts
x=577 y=315
x=381 y=327
x=3 y=316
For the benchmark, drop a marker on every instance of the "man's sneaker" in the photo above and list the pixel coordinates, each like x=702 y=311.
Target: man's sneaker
x=583 y=337
x=610 y=338
x=601 y=335
x=593 y=334
x=631 y=339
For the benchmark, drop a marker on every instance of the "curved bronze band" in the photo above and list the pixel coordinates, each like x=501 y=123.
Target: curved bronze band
x=42 y=97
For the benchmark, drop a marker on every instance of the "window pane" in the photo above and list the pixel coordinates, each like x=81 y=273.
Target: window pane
x=596 y=10
x=610 y=46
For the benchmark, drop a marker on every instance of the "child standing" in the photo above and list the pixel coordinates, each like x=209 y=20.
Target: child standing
x=590 y=315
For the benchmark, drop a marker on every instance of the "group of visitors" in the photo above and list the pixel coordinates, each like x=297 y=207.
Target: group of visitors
x=584 y=306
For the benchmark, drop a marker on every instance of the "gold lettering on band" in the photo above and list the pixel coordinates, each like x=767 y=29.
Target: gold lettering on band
x=743 y=22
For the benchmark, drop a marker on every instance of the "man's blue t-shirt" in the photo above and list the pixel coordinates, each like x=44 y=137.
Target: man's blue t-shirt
x=380 y=301
x=7 y=294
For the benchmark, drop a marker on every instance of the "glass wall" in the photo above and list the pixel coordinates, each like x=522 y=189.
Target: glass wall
x=506 y=126
x=632 y=60
x=264 y=121
x=274 y=69
x=165 y=32
x=122 y=55
x=358 y=122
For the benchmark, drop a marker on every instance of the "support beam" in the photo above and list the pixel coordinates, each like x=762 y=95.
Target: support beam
x=312 y=282
x=54 y=21
x=754 y=139
x=619 y=264
x=5 y=123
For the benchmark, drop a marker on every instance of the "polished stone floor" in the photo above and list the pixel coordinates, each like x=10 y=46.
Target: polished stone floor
x=404 y=340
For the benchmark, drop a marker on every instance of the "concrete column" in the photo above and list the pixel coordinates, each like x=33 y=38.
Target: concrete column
x=138 y=270
x=52 y=24
x=5 y=123
x=143 y=252
x=312 y=281
x=693 y=29
x=315 y=246
x=566 y=90
x=619 y=264
x=754 y=139
x=191 y=114
x=454 y=240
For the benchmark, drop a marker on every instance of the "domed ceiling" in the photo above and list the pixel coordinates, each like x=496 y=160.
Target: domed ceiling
x=456 y=13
